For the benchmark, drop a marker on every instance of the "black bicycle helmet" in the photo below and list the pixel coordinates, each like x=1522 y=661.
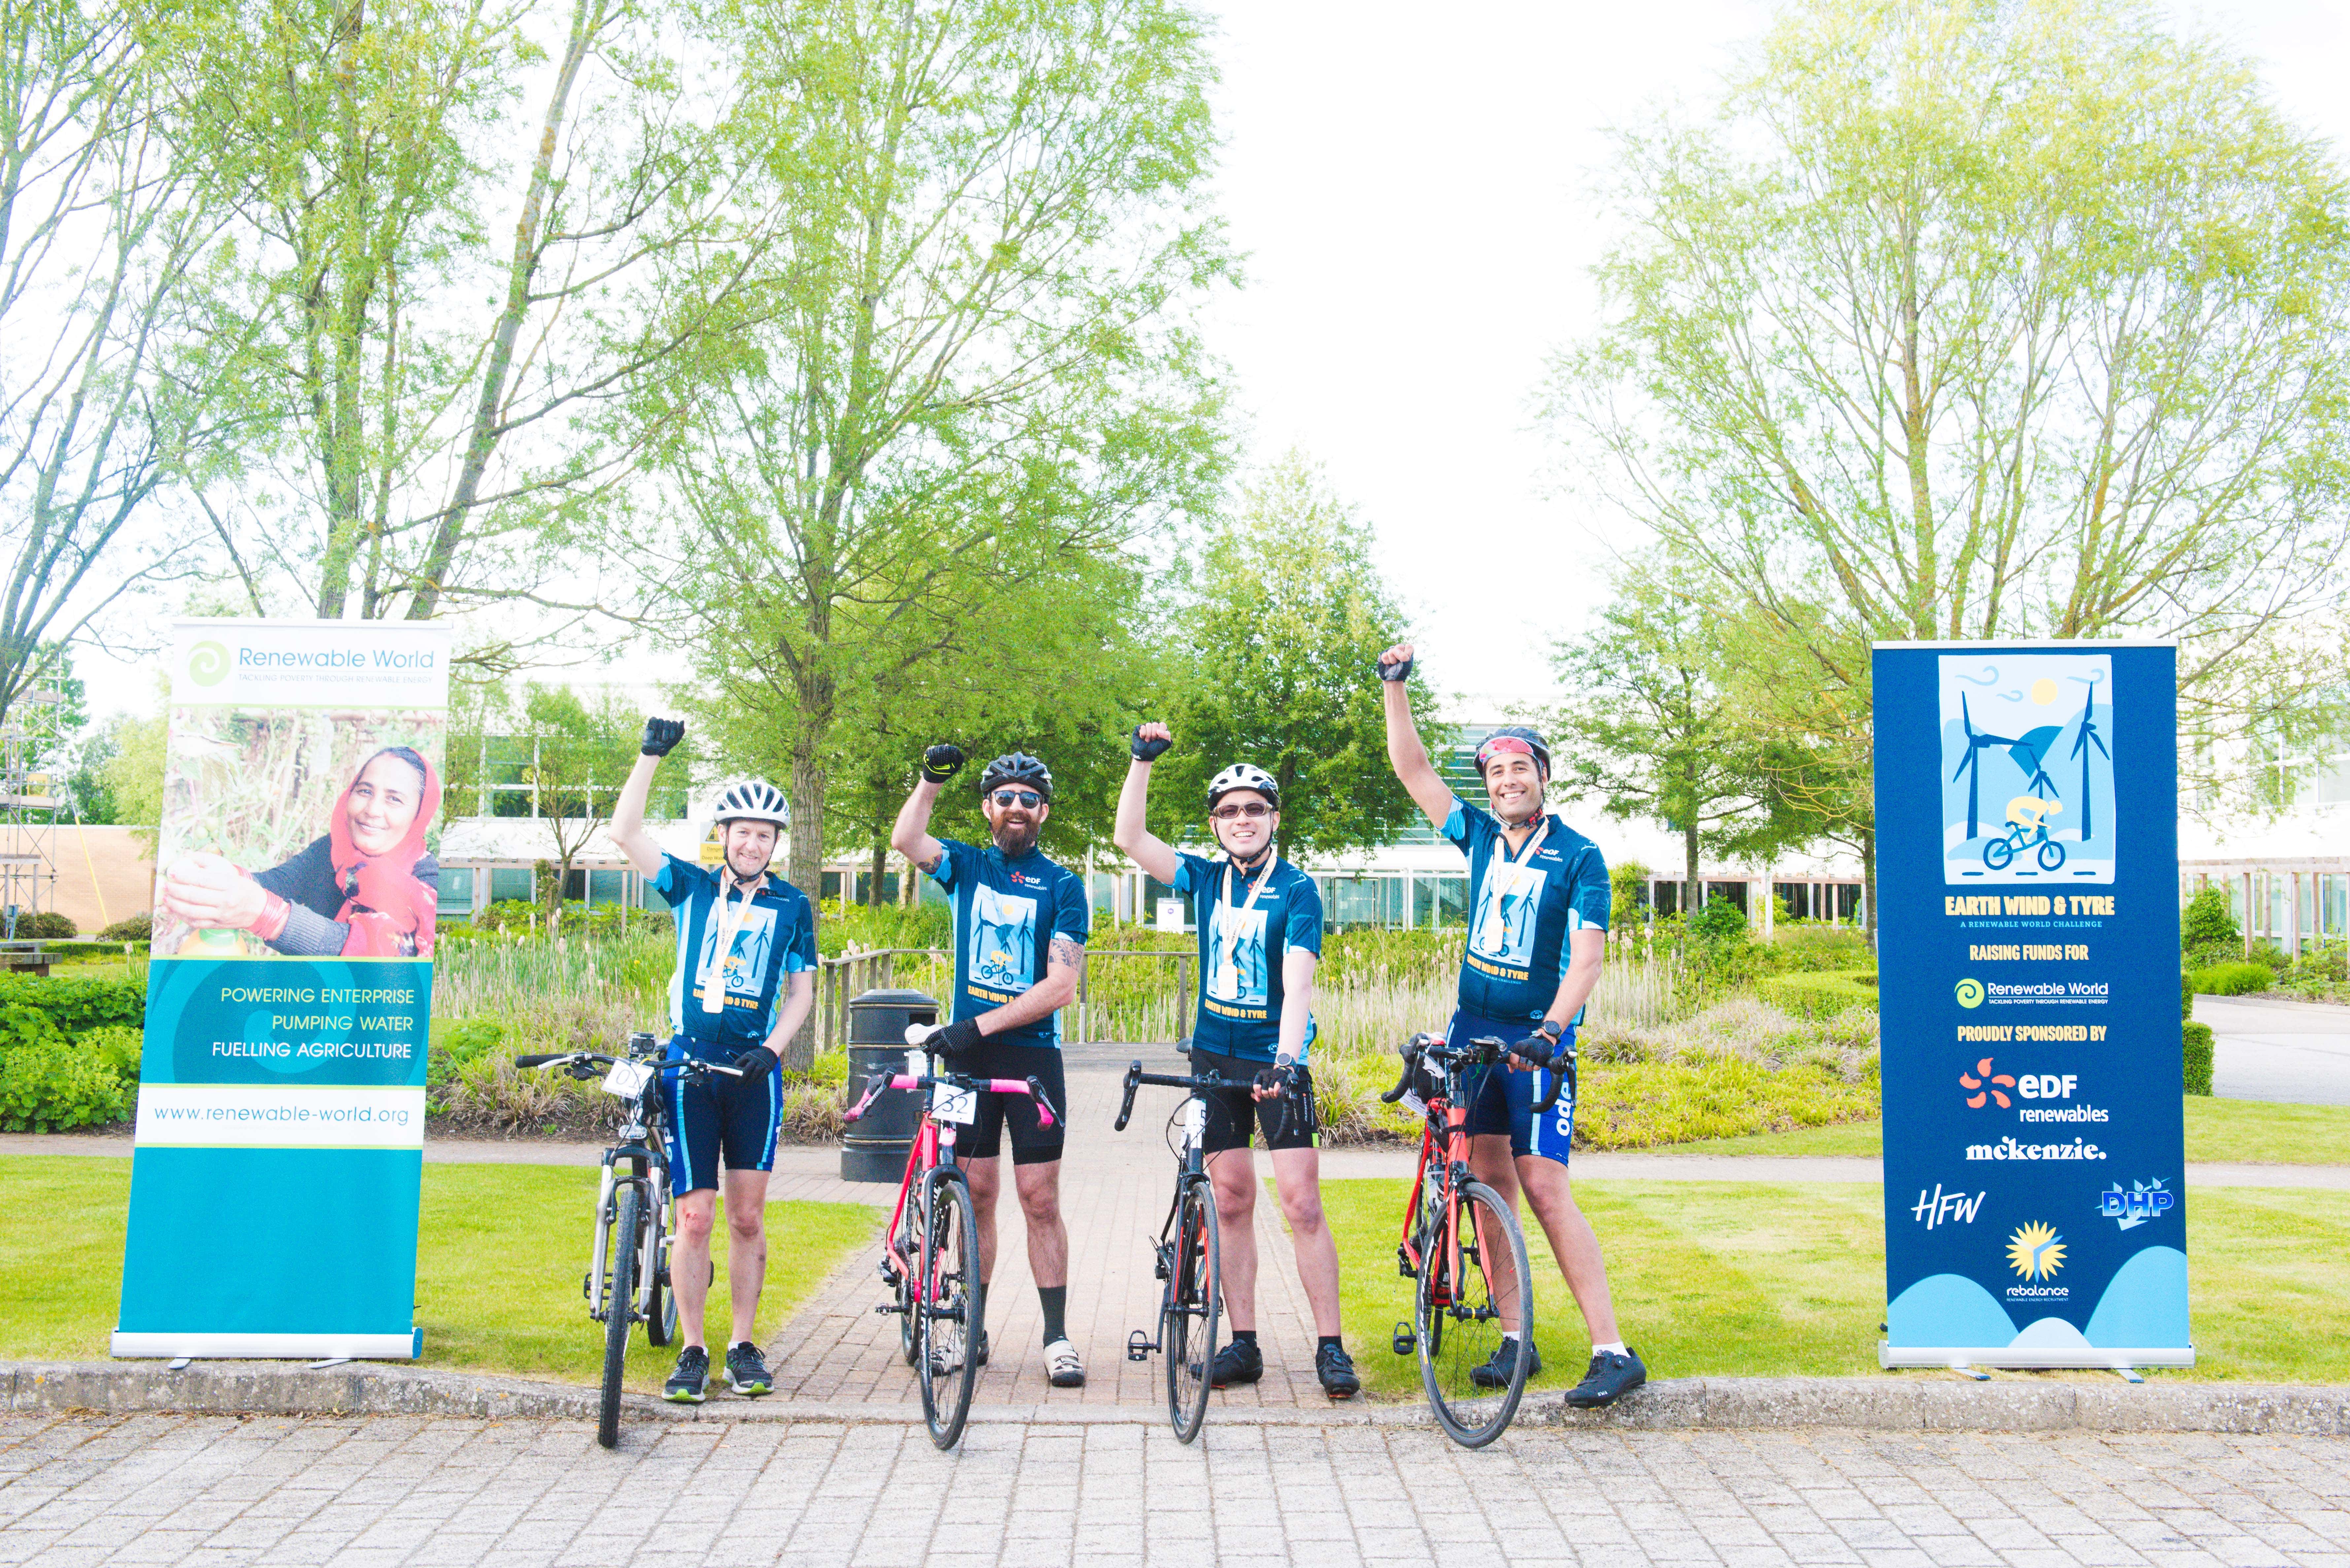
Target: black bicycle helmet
x=1017 y=768
x=1514 y=738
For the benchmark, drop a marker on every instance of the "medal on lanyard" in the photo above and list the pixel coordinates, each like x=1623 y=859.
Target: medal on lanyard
x=730 y=919
x=1227 y=986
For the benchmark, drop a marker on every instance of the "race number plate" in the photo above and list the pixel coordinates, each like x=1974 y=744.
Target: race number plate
x=1195 y=1120
x=628 y=1079
x=959 y=1107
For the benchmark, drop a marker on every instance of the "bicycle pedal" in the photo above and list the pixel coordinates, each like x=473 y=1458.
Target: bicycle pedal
x=886 y=1308
x=1404 y=1265
x=1405 y=1341
x=1138 y=1348
x=1163 y=1264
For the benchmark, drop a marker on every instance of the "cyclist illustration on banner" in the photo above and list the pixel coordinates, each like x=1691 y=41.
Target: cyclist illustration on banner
x=746 y=966
x=2027 y=770
x=1504 y=926
x=1238 y=973
x=1003 y=941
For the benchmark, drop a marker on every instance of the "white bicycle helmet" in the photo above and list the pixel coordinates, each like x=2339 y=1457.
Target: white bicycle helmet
x=753 y=800
x=1244 y=775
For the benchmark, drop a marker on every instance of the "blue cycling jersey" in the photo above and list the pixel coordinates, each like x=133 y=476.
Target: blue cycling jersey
x=1241 y=950
x=774 y=936
x=1007 y=913
x=1523 y=912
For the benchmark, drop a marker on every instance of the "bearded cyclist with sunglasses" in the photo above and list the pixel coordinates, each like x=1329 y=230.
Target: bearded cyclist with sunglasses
x=1020 y=932
x=1260 y=938
x=1538 y=906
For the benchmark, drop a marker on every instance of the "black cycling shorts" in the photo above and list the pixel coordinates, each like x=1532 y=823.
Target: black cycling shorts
x=718 y=1116
x=1032 y=1144
x=1286 y=1122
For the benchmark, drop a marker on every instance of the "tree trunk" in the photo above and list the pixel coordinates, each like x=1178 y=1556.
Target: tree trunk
x=804 y=865
x=1691 y=895
x=1869 y=886
x=873 y=895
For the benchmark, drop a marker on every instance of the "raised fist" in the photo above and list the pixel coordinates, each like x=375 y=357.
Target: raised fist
x=942 y=762
x=1395 y=664
x=1149 y=741
x=662 y=736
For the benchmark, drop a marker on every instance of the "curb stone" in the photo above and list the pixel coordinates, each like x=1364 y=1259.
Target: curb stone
x=1905 y=1404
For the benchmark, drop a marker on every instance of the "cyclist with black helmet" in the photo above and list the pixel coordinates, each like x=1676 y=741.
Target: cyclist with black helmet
x=744 y=980
x=1260 y=925
x=1538 y=905
x=1020 y=933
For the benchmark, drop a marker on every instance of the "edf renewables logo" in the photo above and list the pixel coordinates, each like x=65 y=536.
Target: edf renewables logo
x=208 y=663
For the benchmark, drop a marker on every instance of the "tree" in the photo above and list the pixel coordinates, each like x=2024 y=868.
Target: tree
x=968 y=389
x=581 y=752
x=1647 y=727
x=1968 y=320
x=1284 y=634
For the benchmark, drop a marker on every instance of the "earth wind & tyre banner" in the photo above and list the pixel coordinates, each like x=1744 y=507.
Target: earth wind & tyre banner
x=281 y=1097
x=2027 y=895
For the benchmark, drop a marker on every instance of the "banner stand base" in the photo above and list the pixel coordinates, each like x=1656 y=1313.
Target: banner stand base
x=2031 y=1358
x=406 y=1346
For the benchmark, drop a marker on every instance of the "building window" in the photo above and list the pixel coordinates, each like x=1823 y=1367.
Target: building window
x=1732 y=892
x=510 y=883
x=1440 y=901
x=456 y=892
x=607 y=887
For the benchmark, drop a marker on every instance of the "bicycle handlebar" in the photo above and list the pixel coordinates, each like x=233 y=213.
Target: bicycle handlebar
x=689 y=1065
x=1136 y=1076
x=1032 y=1086
x=1483 y=1050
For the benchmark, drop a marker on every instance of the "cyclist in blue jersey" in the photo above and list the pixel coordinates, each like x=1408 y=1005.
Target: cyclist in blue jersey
x=1020 y=933
x=1538 y=905
x=744 y=980
x=1260 y=925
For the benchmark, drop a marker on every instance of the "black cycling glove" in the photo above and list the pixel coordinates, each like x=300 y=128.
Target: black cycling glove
x=1147 y=751
x=1280 y=1078
x=755 y=1062
x=954 y=1039
x=662 y=736
x=942 y=762
x=1539 y=1049
x=1401 y=671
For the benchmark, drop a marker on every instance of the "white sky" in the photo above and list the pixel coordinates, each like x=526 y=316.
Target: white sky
x=1409 y=194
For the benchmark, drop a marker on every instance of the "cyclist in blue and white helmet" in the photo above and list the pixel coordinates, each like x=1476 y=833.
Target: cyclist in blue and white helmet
x=744 y=983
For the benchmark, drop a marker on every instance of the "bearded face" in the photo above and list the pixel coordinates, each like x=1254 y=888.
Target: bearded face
x=1014 y=826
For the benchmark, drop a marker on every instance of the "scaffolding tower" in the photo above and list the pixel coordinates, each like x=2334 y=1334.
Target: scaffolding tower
x=29 y=805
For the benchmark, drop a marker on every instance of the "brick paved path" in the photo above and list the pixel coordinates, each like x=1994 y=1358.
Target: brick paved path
x=1115 y=1188
x=385 y=1492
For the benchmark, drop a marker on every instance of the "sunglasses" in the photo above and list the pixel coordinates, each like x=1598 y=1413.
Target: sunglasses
x=1027 y=797
x=1248 y=808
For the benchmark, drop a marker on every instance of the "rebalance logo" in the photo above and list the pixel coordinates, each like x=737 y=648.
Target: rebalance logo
x=1971 y=993
x=1984 y=1083
x=2035 y=1250
x=208 y=663
x=2145 y=1201
x=1943 y=1208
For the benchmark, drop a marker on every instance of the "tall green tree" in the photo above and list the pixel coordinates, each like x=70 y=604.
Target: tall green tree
x=1282 y=633
x=582 y=748
x=1973 y=320
x=969 y=390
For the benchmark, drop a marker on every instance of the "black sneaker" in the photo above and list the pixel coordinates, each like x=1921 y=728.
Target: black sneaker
x=1336 y=1369
x=1238 y=1362
x=983 y=1347
x=686 y=1383
x=1499 y=1366
x=746 y=1371
x=1610 y=1378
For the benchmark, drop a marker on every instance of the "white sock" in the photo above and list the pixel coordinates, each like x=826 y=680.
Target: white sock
x=1613 y=1347
x=1510 y=1334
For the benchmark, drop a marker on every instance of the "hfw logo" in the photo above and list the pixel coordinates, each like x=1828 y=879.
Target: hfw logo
x=1943 y=1208
x=1987 y=1084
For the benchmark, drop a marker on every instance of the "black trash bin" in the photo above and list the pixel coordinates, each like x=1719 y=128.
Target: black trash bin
x=874 y=1149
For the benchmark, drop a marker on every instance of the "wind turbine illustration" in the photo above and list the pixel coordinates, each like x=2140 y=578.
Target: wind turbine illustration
x=2082 y=741
x=1971 y=765
x=2031 y=754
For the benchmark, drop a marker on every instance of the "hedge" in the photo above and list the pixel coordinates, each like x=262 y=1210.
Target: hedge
x=2234 y=979
x=1820 y=994
x=2196 y=1053
x=76 y=1005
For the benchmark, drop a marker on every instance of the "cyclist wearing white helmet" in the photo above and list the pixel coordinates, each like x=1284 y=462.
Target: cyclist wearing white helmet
x=1538 y=905
x=1020 y=933
x=743 y=936
x=1260 y=925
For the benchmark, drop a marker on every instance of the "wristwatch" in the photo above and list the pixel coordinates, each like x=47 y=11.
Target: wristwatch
x=1551 y=1027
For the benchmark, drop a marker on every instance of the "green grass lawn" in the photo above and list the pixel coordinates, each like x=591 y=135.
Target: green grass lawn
x=1777 y=1279
x=500 y=1250
x=2254 y=1132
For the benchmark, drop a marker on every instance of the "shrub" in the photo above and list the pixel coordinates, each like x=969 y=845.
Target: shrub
x=50 y=1086
x=1819 y=995
x=873 y=929
x=2196 y=1054
x=78 y=1005
x=48 y=926
x=2322 y=962
x=1815 y=946
x=2186 y=996
x=139 y=928
x=2267 y=951
x=24 y=1027
x=466 y=1040
x=2233 y=979
x=119 y=1046
x=2207 y=929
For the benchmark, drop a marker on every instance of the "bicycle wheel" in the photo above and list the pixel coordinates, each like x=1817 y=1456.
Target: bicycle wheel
x=1189 y=1311
x=660 y=1318
x=2051 y=854
x=1460 y=1321
x=619 y=1308
x=1998 y=853
x=946 y=1347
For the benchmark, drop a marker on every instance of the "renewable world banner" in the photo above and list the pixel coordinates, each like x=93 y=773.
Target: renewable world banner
x=2027 y=886
x=281 y=1099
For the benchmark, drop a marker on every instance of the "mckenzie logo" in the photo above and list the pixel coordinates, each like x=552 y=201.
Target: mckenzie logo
x=2035 y=1252
x=2145 y=1201
x=1943 y=1208
x=2008 y=1149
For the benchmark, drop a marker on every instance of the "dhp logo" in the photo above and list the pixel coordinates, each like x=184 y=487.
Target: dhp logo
x=2145 y=1201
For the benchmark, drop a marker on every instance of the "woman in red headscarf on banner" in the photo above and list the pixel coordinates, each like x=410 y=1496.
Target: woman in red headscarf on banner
x=365 y=888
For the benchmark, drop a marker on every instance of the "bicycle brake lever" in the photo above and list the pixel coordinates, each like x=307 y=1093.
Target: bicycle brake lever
x=1044 y=1115
x=1562 y=1072
x=873 y=1088
x=1125 y=1111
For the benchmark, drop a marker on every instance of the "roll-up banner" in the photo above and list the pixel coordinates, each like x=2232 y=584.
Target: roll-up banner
x=281 y=1097
x=2027 y=886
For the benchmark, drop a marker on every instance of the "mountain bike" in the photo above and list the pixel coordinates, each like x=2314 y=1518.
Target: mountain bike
x=930 y=1259
x=1998 y=852
x=1461 y=1244
x=627 y=1260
